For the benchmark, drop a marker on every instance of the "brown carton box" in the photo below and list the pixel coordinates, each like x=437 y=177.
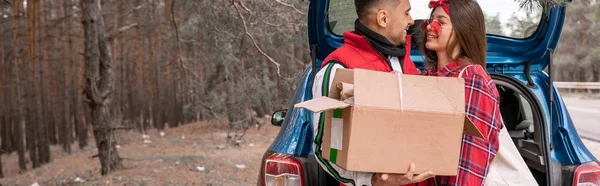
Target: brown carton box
x=393 y=121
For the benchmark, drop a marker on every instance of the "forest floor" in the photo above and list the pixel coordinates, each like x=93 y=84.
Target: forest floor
x=175 y=159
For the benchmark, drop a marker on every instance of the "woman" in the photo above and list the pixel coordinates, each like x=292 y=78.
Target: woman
x=454 y=45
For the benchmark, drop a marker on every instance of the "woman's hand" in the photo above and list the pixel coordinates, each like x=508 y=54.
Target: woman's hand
x=383 y=179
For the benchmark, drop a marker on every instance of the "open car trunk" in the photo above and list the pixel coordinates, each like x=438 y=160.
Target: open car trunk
x=507 y=53
x=522 y=116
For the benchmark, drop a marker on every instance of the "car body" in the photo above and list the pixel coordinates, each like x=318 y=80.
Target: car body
x=533 y=109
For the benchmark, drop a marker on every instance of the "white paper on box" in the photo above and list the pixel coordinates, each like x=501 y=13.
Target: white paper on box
x=337 y=133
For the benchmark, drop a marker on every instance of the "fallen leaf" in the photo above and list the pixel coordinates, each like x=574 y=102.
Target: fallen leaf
x=240 y=166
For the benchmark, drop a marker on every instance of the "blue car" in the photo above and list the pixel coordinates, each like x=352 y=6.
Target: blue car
x=521 y=45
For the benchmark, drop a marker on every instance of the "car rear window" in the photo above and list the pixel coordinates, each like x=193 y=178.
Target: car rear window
x=502 y=17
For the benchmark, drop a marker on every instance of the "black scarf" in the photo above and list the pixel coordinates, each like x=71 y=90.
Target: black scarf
x=379 y=42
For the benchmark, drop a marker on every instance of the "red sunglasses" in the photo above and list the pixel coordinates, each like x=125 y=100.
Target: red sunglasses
x=435 y=26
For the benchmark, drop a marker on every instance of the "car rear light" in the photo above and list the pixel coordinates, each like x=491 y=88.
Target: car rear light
x=587 y=175
x=281 y=170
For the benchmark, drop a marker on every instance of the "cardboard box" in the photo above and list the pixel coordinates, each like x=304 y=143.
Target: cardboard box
x=394 y=120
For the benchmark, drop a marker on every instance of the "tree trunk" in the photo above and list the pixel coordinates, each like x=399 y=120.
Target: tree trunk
x=166 y=104
x=5 y=112
x=66 y=116
x=132 y=90
x=122 y=89
x=18 y=118
x=44 y=147
x=6 y=145
x=158 y=107
x=16 y=102
x=99 y=84
x=1 y=171
x=118 y=54
x=16 y=105
x=78 y=113
x=595 y=68
x=33 y=128
x=154 y=44
x=3 y=132
x=147 y=114
x=171 y=94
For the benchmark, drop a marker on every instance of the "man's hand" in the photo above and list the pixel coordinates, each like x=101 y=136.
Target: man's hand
x=380 y=179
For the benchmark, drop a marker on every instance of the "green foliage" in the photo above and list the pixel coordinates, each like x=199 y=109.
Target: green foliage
x=523 y=27
x=243 y=82
x=493 y=25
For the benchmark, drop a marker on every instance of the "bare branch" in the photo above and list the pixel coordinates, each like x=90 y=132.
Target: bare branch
x=104 y=96
x=92 y=91
x=270 y=7
x=270 y=24
x=254 y=41
x=219 y=30
x=180 y=53
x=119 y=31
x=209 y=108
x=289 y=5
x=125 y=14
x=246 y=8
x=295 y=59
x=193 y=42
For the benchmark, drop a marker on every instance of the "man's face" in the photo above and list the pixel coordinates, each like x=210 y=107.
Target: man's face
x=397 y=21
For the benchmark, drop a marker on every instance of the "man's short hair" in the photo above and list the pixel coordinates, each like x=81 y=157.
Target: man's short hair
x=363 y=6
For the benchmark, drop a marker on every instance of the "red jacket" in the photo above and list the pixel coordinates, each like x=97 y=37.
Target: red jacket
x=356 y=52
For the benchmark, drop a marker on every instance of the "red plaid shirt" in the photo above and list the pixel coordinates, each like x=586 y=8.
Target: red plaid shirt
x=482 y=107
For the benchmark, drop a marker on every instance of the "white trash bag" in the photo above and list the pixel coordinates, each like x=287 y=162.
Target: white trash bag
x=508 y=167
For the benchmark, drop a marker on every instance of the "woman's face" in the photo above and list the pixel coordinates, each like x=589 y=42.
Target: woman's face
x=438 y=40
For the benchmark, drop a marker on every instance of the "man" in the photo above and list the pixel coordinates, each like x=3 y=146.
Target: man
x=380 y=43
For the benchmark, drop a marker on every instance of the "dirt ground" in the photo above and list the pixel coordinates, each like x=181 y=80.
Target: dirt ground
x=170 y=160
x=174 y=159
